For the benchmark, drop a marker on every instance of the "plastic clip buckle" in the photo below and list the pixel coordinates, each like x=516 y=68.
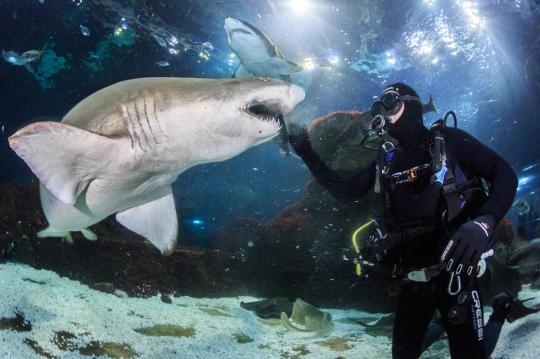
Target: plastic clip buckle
x=418 y=276
x=458 y=280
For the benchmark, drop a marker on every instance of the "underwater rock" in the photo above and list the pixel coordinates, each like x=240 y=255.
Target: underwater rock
x=109 y=288
x=238 y=233
x=118 y=257
x=306 y=252
x=165 y=298
x=18 y=323
x=242 y=338
x=49 y=66
x=38 y=349
x=65 y=340
x=337 y=344
x=337 y=136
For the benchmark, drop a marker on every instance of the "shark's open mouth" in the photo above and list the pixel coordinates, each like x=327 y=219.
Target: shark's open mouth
x=266 y=111
x=242 y=31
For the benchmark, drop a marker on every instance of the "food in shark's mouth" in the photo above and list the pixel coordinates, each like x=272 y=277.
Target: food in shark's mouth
x=264 y=110
x=271 y=112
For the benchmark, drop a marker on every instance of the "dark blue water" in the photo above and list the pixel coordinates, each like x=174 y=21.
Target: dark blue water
x=479 y=58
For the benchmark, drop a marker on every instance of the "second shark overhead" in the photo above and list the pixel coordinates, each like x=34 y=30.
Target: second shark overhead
x=259 y=56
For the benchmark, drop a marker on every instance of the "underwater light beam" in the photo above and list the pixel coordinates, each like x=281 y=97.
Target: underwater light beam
x=300 y=6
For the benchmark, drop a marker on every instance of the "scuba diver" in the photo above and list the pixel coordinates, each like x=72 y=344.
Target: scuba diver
x=438 y=218
x=505 y=307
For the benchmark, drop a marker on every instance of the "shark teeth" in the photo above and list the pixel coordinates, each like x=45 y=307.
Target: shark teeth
x=274 y=120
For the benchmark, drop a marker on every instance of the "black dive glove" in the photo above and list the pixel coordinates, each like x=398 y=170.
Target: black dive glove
x=299 y=139
x=465 y=248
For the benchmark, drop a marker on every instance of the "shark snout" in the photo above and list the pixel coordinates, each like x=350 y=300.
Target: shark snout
x=231 y=23
x=296 y=95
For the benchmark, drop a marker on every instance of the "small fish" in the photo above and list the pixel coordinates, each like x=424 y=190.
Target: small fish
x=84 y=30
x=174 y=51
x=14 y=15
x=13 y=58
x=3 y=131
x=20 y=60
x=161 y=42
x=162 y=63
x=172 y=40
x=31 y=55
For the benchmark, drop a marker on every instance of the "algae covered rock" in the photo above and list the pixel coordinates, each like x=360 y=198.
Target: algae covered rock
x=306 y=250
x=337 y=139
x=113 y=350
x=242 y=338
x=167 y=330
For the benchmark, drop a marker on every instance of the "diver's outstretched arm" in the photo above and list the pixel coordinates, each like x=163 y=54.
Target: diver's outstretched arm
x=342 y=187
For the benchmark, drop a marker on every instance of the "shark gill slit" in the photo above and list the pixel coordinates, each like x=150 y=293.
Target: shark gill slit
x=125 y=117
x=153 y=102
x=139 y=120
x=148 y=121
x=132 y=124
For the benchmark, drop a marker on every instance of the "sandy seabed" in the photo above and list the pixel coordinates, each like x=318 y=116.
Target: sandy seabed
x=44 y=315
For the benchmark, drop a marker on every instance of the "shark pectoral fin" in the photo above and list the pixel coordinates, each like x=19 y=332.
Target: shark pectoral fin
x=284 y=67
x=294 y=67
x=155 y=221
x=63 y=157
x=242 y=71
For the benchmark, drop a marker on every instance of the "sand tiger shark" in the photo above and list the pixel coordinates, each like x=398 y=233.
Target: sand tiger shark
x=259 y=56
x=119 y=150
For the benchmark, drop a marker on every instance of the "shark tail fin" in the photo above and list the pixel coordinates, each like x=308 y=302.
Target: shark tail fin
x=64 y=158
x=429 y=107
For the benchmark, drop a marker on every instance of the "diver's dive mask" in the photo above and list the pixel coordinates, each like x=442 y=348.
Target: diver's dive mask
x=388 y=104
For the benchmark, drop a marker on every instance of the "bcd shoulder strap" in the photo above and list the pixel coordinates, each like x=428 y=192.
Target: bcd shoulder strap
x=443 y=174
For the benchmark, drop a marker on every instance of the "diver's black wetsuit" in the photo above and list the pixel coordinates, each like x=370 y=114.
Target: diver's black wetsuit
x=418 y=301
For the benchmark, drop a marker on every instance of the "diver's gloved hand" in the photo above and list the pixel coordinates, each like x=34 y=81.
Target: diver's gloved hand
x=299 y=139
x=465 y=248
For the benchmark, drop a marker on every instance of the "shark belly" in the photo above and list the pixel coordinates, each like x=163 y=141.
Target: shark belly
x=100 y=200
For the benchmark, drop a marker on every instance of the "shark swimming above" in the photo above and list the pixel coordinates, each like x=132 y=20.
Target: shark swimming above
x=119 y=150
x=259 y=56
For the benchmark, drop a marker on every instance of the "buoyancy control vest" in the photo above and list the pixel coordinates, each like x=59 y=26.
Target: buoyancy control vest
x=450 y=196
